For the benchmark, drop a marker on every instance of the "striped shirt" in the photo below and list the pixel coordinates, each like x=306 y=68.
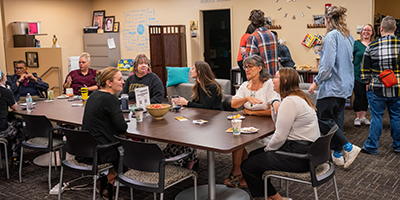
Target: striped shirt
x=380 y=55
x=263 y=43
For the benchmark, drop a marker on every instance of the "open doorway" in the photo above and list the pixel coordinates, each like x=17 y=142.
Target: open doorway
x=217 y=41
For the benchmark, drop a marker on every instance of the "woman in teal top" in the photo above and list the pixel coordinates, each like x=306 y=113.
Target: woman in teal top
x=360 y=104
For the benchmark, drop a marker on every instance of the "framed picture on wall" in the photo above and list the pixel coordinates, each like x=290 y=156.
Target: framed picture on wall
x=98 y=18
x=116 y=26
x=32 y=59
x=109 y=24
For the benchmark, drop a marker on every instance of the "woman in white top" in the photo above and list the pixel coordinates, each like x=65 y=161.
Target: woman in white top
x=296 y=129
x=256 y=96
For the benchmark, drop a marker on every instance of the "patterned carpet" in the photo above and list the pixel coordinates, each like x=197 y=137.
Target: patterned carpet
x=369 y=177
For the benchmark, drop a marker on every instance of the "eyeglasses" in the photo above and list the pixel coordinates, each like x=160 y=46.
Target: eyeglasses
x=249 y=67
x=366 y=30
x=19 y=68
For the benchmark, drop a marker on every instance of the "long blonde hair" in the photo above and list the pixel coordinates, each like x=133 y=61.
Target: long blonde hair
x=337 y=18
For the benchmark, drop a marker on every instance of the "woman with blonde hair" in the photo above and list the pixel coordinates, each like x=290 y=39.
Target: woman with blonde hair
x=336 y=80
x=82 y=77
x=360 y=105
x=296 y=128
x=103 y=118
x=142 y=77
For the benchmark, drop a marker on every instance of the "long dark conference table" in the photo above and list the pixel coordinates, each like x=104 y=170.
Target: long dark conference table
x=210 y=136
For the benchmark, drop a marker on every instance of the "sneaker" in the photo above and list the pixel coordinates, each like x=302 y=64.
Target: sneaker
x=337 y=161
x=357 y=122
x=363 y=150
x=364 y=121
x=349 y=157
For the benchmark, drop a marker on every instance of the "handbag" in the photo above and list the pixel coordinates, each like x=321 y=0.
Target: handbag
x=388 y=78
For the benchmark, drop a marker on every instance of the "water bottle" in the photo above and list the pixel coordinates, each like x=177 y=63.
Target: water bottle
x=29 y=106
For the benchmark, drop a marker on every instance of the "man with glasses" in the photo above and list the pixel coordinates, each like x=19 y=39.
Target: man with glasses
x=21 y=83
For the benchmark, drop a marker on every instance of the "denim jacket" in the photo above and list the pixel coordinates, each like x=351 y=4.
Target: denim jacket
x=336 y=71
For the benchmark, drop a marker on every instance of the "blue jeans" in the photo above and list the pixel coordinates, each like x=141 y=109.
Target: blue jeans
x=377 y=106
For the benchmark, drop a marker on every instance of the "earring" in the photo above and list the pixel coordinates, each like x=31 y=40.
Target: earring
x=109 y=86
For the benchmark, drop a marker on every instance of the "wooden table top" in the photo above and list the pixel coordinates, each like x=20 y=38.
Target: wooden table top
x=59 y=110
x=209 y=136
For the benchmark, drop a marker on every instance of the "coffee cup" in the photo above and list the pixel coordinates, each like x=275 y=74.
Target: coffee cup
x=139 y=114
x=236 y=126
x=69 y=92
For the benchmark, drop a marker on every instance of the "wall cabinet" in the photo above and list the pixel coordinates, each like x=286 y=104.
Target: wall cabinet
x=96 y=44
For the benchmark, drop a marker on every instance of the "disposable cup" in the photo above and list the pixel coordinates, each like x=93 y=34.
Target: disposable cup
x=236 y=126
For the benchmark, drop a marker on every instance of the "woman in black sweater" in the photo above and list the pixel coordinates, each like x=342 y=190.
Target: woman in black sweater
x=103 y=118
x=207 y=93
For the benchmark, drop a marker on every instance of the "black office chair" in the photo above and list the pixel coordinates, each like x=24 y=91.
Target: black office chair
x=4 y=142
x=226 y=103
x=149 y=170
x=321 y=167
x=82 y=144
x=39 y=135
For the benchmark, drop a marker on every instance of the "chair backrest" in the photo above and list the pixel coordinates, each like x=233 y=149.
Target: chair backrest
x=141 y=156
x=79 y=143
x=226 y=102
x=320 y=150
x=37 y=126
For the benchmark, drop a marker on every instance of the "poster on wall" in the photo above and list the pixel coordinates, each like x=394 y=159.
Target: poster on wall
x=135 y=29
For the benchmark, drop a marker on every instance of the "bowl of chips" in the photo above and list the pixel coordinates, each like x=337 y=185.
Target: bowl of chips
x=158 y=110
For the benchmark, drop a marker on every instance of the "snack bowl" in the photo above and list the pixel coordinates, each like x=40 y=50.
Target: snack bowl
x=158 y=113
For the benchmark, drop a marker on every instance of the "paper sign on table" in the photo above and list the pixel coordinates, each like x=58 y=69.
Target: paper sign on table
x=142 y=97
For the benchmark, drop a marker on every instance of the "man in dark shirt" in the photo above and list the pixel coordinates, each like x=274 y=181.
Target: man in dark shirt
x=22 y=83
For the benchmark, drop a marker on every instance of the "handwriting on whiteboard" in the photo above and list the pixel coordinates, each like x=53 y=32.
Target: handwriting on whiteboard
x=135 y=31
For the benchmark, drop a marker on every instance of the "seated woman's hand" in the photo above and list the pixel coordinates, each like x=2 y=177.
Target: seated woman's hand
x=254 y=100
x=276 y=105
x=180 y=101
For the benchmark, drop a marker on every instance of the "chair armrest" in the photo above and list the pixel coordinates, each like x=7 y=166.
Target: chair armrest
x=121 y=160
x=176 y=158
x=295 y=155
x=103 y=146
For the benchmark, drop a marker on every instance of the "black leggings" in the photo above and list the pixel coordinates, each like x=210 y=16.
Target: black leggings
x=260 y=161
x=360 y=101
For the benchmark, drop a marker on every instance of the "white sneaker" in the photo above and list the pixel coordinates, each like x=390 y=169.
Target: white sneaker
x=349 y=157
x=365 y=121
x=337 y=161
x=357 y=122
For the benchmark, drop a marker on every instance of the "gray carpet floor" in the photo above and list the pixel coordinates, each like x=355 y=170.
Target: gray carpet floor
x=369 y=177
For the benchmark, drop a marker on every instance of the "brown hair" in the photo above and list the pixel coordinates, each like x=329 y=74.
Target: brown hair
x=388 y=24
x=107 y=74
x=361 y=33
x=257 y=18
x=289 y=85
x=256 y=61
x=206 y=78
x=140 y=59
x=337 y=18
